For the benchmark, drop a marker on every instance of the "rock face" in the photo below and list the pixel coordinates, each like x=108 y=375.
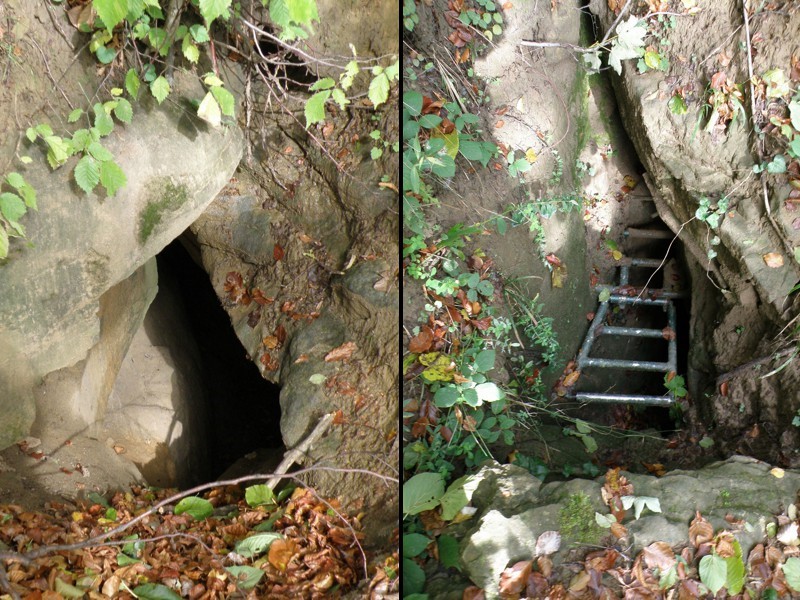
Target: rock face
x=83 y=246
x=304 y=263
x=733 y=320
x=514 y=509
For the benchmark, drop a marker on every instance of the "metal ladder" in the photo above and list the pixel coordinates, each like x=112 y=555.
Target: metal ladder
x=624 y=294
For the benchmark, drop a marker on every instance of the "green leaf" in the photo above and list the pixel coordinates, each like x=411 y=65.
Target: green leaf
x=98 y=151
x=350 y=71
x=211 y=9
x=414 y=544
x=58 y=150
x=31 y=134
x=323 y=84
x=246 y=577
x=303 y=12
x=155 y=591
x=112 y=177
x=209 y=110
x=28 y=195
x=15 y=180
x=256 y=544
x=413 y=578
x=105 y=54
x=471 y=396
x=123 y=110
x=582 y=426
x=102 y=120
x=489 y=392
x=458 y=495
x=190 y=51
x=3 y=242
x=158 y=40
x=43 y=129
x=446 y=396
x=794 y=113
x=87 y=173
x=791 y=571
x=212 y=80
x=706 y=442
x=81 y=139
x=734 y=581
x=317 y=379
x=132 y=83
x=652 y=59
x=74 y=115
x=604 y=521
x=199 y=33
x=589 y=443
x=11 y=206
x=484 y=361
x=448 y=551
x=315 y=107
x=111 y=12
x=412 y=102
x=378 y=92
x=160 y=89
x=259 y=495
x=67 y=590
x=197 y=508
x=430 y=121
x=677 y=105
x=226 y=101
x=713 y=572
x=339 y=97
x=422 y=492
x=25 y=160
x=376 y=153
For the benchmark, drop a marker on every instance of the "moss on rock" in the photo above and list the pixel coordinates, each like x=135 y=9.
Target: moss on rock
x=165 y=198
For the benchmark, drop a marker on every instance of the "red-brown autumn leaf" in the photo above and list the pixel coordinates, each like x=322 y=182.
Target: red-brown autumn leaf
x=571 y=379
x=342 y=352
x=260 y=299
x=553 y=260
x=473 y=593
x=656 y=469
x=659 y=555
x=281 y=552
x=514 y=579
x=773 y=260
x=422 y=341
x=700 y=530
x=277 y=252
x=270 y=342
x=668 y=333
x=270 y=364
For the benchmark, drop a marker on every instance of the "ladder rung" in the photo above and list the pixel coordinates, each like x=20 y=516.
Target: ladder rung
x=652 y=263
x=613 y=363
x=626 y=398
x=618 y=299
x=631 y=331
x=644 y=292
x=659 y=234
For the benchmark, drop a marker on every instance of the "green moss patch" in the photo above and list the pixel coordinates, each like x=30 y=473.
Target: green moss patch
x=167 y=197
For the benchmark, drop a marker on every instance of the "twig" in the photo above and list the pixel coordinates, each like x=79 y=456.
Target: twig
x=572 y=47
x=49 y=74
x=750 y=364
x=295 y=454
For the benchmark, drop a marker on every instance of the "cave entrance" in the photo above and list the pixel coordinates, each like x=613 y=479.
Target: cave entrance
x=240 y=409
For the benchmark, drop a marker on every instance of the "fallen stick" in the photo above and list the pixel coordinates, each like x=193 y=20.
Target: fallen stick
x=295 y=454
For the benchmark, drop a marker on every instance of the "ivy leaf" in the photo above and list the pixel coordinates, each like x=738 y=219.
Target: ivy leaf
x=123 y=110
x=111 y=12
x=74 y=115
x=379 y=89
x=132 y=83
x=197 y=508
x=629 y=42
x=160 y=89
x=112 y=177
x=199 y=33
x=246 y=577
x=190 y=51
x=105 y=54
x=315 y=107
x=209 y=110
x=87 y=173
x=226 y=101
x=713 y=572
x=211 y=9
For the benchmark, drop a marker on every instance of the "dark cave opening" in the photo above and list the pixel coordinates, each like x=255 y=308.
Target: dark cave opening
x=242 y=408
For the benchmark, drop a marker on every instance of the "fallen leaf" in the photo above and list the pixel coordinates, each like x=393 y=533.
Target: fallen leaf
x=557 y=276
x=270 y=364
x=553 y=260
x=260 y=299
x=668 y=333
x=301 y=359
x=656 y=469
x=499 y=124
x=773 y=260
x=422 y=341
x=281 y=552
x=388 y=279
x=777 y=472
x=270 y=342
x=571 y=379
x=659 y=555
x=514 y=579
x=548 y=543
x=342 y=352
x=700 y=530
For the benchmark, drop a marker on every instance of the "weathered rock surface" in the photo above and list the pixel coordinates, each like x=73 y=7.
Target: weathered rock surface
x=514 y=509
x=82 y=246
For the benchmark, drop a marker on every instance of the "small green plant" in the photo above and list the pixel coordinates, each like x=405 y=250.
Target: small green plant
x=488 y=19
x=675 y=385
x=711 y=212
x=381 y=145
x=13 y=206
x=410 y=16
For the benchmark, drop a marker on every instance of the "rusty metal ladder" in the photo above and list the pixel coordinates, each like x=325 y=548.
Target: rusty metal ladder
x=620 y=295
